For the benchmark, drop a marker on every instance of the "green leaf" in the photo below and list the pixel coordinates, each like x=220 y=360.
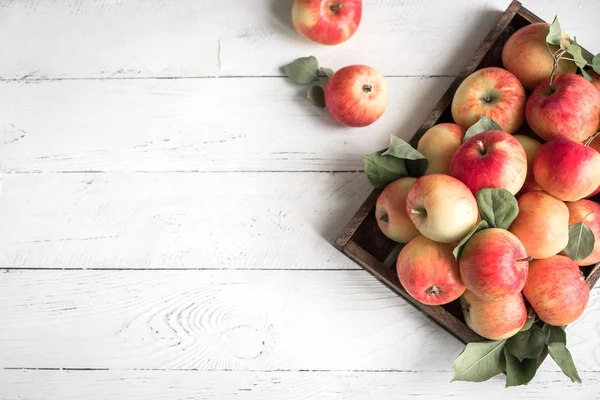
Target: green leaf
x=581 y=241
x=484 y=124
x=596 y=63
x=519 y=372
x=586 y=75
x=527 y=344
x=480 y=361
x=555 y=33
x=575 y=51
x=316 y=94
x=562 y=356
x=480 y=226
x=382 y=170
x=303 y=70
x=555 y=334
x=498 y=207
x=416 y=163
x=326 y=72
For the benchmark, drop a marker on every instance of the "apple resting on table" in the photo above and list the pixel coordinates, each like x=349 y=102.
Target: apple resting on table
x=390 y=211
x=327 y=22
x=526 y=55
x=442 y=208
x=429 y=272
x=439 y=144
x=356 y=95
x=491 y=91
x=492 y=159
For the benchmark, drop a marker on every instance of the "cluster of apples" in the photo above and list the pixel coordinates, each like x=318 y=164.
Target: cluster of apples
x=496 y=270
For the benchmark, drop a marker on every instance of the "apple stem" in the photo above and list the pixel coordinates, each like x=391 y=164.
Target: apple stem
x=336 y=7
x=480 y=144
x=555 y=66
x=413 y=211
x=591 y=139
x=528 y=259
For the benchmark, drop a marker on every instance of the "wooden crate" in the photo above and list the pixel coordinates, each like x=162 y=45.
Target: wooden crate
x=363 y=241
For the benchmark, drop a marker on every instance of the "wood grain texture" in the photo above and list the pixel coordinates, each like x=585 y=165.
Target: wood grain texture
x=276 y=385
x=170 y=220
x=230 y=320
x=258 y=124
x=195 y=38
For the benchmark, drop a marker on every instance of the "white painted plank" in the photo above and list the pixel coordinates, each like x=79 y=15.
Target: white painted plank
x=137 y=38
x=230 y=320
x=292 y=385
x=187 y=125
x=177 y=220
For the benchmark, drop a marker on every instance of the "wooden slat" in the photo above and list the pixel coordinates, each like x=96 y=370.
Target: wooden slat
x=193 y=125
x=170 y=220
x=277 y=385
x=230 y=320
x=175 y=38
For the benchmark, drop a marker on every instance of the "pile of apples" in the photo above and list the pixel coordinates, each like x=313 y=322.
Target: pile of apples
x=482 y=164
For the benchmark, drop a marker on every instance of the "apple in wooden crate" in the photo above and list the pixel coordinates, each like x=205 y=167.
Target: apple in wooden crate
x=542 y=224
x=327 y=22
x=569 y=107
x=390 y=211
x=356 y=95
x=557 y=290
x=491 y=91
x=566 y=169
x=531 y=147
x=492 y=159
x=429 y=272
x=526 y=55
x=439 y=144
x=495 y=320
x=494 y=264
x=441 y=207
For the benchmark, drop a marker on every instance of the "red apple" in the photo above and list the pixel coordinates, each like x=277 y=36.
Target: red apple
x=589 y=212
x=356 y=95
x=526 y=55
x=439 y=144
x=442 y=208
x=531 y=147
x=557 y=290
x=327 y=22
x=495 y=320
x=566 y=169
x=429 y=272
x=493 y=264
x=542 y=225
x=491 y=91
x=390 y=211
x=571 y=109
x=492 y=159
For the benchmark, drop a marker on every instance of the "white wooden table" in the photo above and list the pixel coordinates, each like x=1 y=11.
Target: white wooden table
x=169 y=202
